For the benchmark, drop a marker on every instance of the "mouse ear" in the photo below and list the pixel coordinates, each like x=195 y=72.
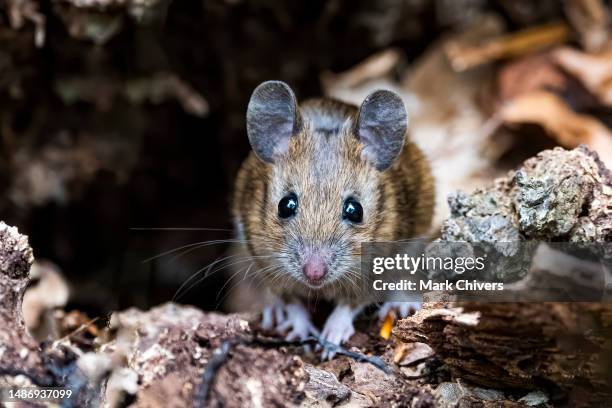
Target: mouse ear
x=381 y=127
x=272 y=118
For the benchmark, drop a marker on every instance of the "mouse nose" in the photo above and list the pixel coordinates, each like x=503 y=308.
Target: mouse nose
x=315 y=268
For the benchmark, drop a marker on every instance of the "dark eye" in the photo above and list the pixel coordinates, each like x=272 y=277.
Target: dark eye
x=352 y=210
x=287 y=206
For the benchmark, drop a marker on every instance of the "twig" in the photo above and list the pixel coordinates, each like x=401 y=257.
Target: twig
x=465 y=56
x=77 y=330
x=219 y=357
x=362 y=358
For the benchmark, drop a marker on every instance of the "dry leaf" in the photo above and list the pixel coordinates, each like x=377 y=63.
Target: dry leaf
x=590 y=18
x=567 y=127
x=410 y=353
x=528 y=74
x=464 y=56
x=593 y=70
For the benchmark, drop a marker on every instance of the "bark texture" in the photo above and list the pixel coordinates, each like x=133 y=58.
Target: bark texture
x=563 y=348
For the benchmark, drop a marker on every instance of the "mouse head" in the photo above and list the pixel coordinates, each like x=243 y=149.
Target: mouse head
x=326 y=180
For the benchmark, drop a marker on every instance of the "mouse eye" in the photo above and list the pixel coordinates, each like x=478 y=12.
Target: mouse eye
x=352 y=210
x=287 y=206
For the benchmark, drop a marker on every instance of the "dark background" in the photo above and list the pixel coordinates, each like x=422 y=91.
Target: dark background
x=152 y=163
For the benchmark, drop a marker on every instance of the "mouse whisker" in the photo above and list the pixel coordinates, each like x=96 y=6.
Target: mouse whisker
x=208 y=273
x=277 y=274
x=179 y=229
x=233 y=287
x=229 y=280
x=195 y=244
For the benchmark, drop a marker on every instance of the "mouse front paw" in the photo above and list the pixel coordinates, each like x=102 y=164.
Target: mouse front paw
x=338 y=329
x=273 y=314
x=401 y=309
x=297 y=324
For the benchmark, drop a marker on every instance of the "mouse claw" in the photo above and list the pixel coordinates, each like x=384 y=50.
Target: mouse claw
x=338 y=329
x=336 y=336
x=297 y=322
x=401 y=309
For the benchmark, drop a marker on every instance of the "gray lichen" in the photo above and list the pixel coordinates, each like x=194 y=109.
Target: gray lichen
x=559 y=195
x=16 y=256
x=559 y=190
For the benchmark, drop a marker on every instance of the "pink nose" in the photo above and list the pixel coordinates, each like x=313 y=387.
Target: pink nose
x=315 y=268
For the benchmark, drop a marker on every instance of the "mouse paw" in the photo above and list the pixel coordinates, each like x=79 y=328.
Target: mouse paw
x=401 y=309
x=272 y=315
x=297 y=323
x=338 y=329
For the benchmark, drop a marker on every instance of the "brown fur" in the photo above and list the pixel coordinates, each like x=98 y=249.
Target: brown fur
x=324 y=166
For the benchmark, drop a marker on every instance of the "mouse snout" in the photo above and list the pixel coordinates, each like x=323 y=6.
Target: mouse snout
x=315 y=268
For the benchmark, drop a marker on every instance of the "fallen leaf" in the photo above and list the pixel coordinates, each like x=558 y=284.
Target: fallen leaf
x=410 y=353
x=464 y=56
x=567 y=127
x=593 y=70
x=590 y=19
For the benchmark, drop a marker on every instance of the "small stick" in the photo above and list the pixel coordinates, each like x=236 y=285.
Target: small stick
x=361 y=358
x=79 y=329
x=465 y=56
x=219 y=357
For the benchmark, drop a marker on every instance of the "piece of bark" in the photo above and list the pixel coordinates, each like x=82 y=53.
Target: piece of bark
x=557 y=195
x=171 y=340
x=521 y=346
x=386 y=389
x=169 y=348
x=410 y=354
x=19 y=353
x=23 y=363
x=324 y=386
x=463 y=396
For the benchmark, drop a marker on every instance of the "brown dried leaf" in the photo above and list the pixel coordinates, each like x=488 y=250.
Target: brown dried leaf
x=593 y=70
x=464 y=56
x=590 y=18
x=410 y=353
x=567 y=127
x=528 y=74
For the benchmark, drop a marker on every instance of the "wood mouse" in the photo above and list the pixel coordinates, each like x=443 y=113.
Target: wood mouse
x=323 y=177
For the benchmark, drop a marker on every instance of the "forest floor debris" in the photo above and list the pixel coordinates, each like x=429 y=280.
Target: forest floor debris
x=506 y=354
x=481 y=99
